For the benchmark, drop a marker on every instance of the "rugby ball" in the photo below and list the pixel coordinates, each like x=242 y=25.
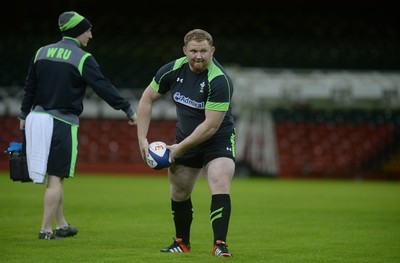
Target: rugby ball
x=158 y=157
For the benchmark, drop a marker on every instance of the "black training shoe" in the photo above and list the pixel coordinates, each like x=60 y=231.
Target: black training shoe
x=68 y=231
x=221 y=249
x=45 y=235
x=177 y=247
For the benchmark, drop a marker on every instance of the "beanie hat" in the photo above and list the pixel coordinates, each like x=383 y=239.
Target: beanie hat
x=73 y=24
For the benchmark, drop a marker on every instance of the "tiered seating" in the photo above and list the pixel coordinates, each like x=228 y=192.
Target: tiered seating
x=308 y=143
x=114 y=140
x=100 y=140
x=331 y=148
x=292 y=146
x=9 y=131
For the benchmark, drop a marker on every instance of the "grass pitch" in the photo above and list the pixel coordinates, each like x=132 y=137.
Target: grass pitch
x=128 y=219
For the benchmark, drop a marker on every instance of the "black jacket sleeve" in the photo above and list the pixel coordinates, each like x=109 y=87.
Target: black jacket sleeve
x=95 y=79
x=30 y=91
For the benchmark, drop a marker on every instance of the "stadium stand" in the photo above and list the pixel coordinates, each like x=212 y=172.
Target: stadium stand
x=325 y=82
x=346 y=144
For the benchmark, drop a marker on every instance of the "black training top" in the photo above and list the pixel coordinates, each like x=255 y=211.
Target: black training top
x=192 y=93
x=57 y=79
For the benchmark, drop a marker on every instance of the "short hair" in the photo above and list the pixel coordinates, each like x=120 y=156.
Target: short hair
x=198 y=35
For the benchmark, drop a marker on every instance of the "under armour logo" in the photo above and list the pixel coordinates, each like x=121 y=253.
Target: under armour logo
x=179 y=80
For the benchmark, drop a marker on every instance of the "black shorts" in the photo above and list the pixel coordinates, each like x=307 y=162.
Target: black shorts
x=63 y=149
x=219 y=145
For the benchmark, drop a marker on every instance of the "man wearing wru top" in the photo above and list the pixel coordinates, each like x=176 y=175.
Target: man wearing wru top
x=53 y=101
x=205 y=136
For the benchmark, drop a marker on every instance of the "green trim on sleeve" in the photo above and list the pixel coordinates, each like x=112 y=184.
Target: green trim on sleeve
x=154 y=85
x=80 y=67
x=178 y=63
x=214 y=71
x=217 y=106
x=37 y=53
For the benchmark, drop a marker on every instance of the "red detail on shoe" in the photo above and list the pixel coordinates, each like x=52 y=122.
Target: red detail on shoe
x=182 y=245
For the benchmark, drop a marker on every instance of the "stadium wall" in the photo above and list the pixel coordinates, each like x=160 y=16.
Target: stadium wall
x=306 y=144
x=290 y=123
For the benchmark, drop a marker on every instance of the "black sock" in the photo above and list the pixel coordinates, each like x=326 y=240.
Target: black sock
x=220 y=214
x=183 y=216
